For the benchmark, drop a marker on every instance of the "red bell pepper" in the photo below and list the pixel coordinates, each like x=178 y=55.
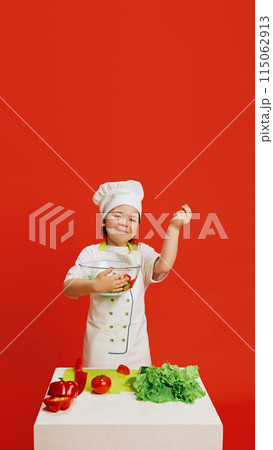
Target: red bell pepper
x=80 y=376
x=63 y=389
x=54 y=404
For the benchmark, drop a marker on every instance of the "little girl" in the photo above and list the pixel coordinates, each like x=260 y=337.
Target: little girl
x=116 y=329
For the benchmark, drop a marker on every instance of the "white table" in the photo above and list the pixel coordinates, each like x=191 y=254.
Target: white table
x=120 y=422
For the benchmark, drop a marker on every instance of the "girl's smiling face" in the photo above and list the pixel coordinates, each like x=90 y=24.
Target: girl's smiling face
x=121 y=224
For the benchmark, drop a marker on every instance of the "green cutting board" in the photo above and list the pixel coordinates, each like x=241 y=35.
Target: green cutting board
x=118 y=380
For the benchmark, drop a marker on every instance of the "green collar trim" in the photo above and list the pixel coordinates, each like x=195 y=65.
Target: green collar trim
x=102 y=247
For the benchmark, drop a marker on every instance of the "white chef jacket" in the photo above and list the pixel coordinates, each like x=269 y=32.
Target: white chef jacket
x=116 y=327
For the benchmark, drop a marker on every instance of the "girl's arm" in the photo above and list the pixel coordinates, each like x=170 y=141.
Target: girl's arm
x=76 y=287
x=169 y=249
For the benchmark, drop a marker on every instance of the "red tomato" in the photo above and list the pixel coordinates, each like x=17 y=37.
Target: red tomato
x=123 y=369
x=101 y=384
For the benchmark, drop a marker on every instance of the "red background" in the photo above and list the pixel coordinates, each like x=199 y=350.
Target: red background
x=129 y=90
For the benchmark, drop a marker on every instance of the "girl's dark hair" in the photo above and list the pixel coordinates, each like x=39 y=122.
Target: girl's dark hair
x=104 y=231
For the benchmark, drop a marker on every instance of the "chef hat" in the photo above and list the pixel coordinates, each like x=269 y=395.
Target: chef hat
x=112 y=194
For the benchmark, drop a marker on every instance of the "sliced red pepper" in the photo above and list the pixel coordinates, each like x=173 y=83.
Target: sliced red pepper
x=129 y=281
x=54 y=404
x=63 y=389
x=129 y=284
x=133 y=282
x=80 y=376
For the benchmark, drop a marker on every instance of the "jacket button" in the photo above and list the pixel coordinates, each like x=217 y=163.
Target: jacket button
x=126 y=314
x=112 y=299
x=110 y=326
x=127 y=300
x=123 y=340
x=111 y=340
x=124 y=326
x=110 y=313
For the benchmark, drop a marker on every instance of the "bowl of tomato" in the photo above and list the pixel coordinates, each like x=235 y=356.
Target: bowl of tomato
x=92 y=269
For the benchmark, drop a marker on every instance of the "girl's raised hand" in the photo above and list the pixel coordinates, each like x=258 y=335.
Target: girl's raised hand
x=114 y=283
x=181 y=217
